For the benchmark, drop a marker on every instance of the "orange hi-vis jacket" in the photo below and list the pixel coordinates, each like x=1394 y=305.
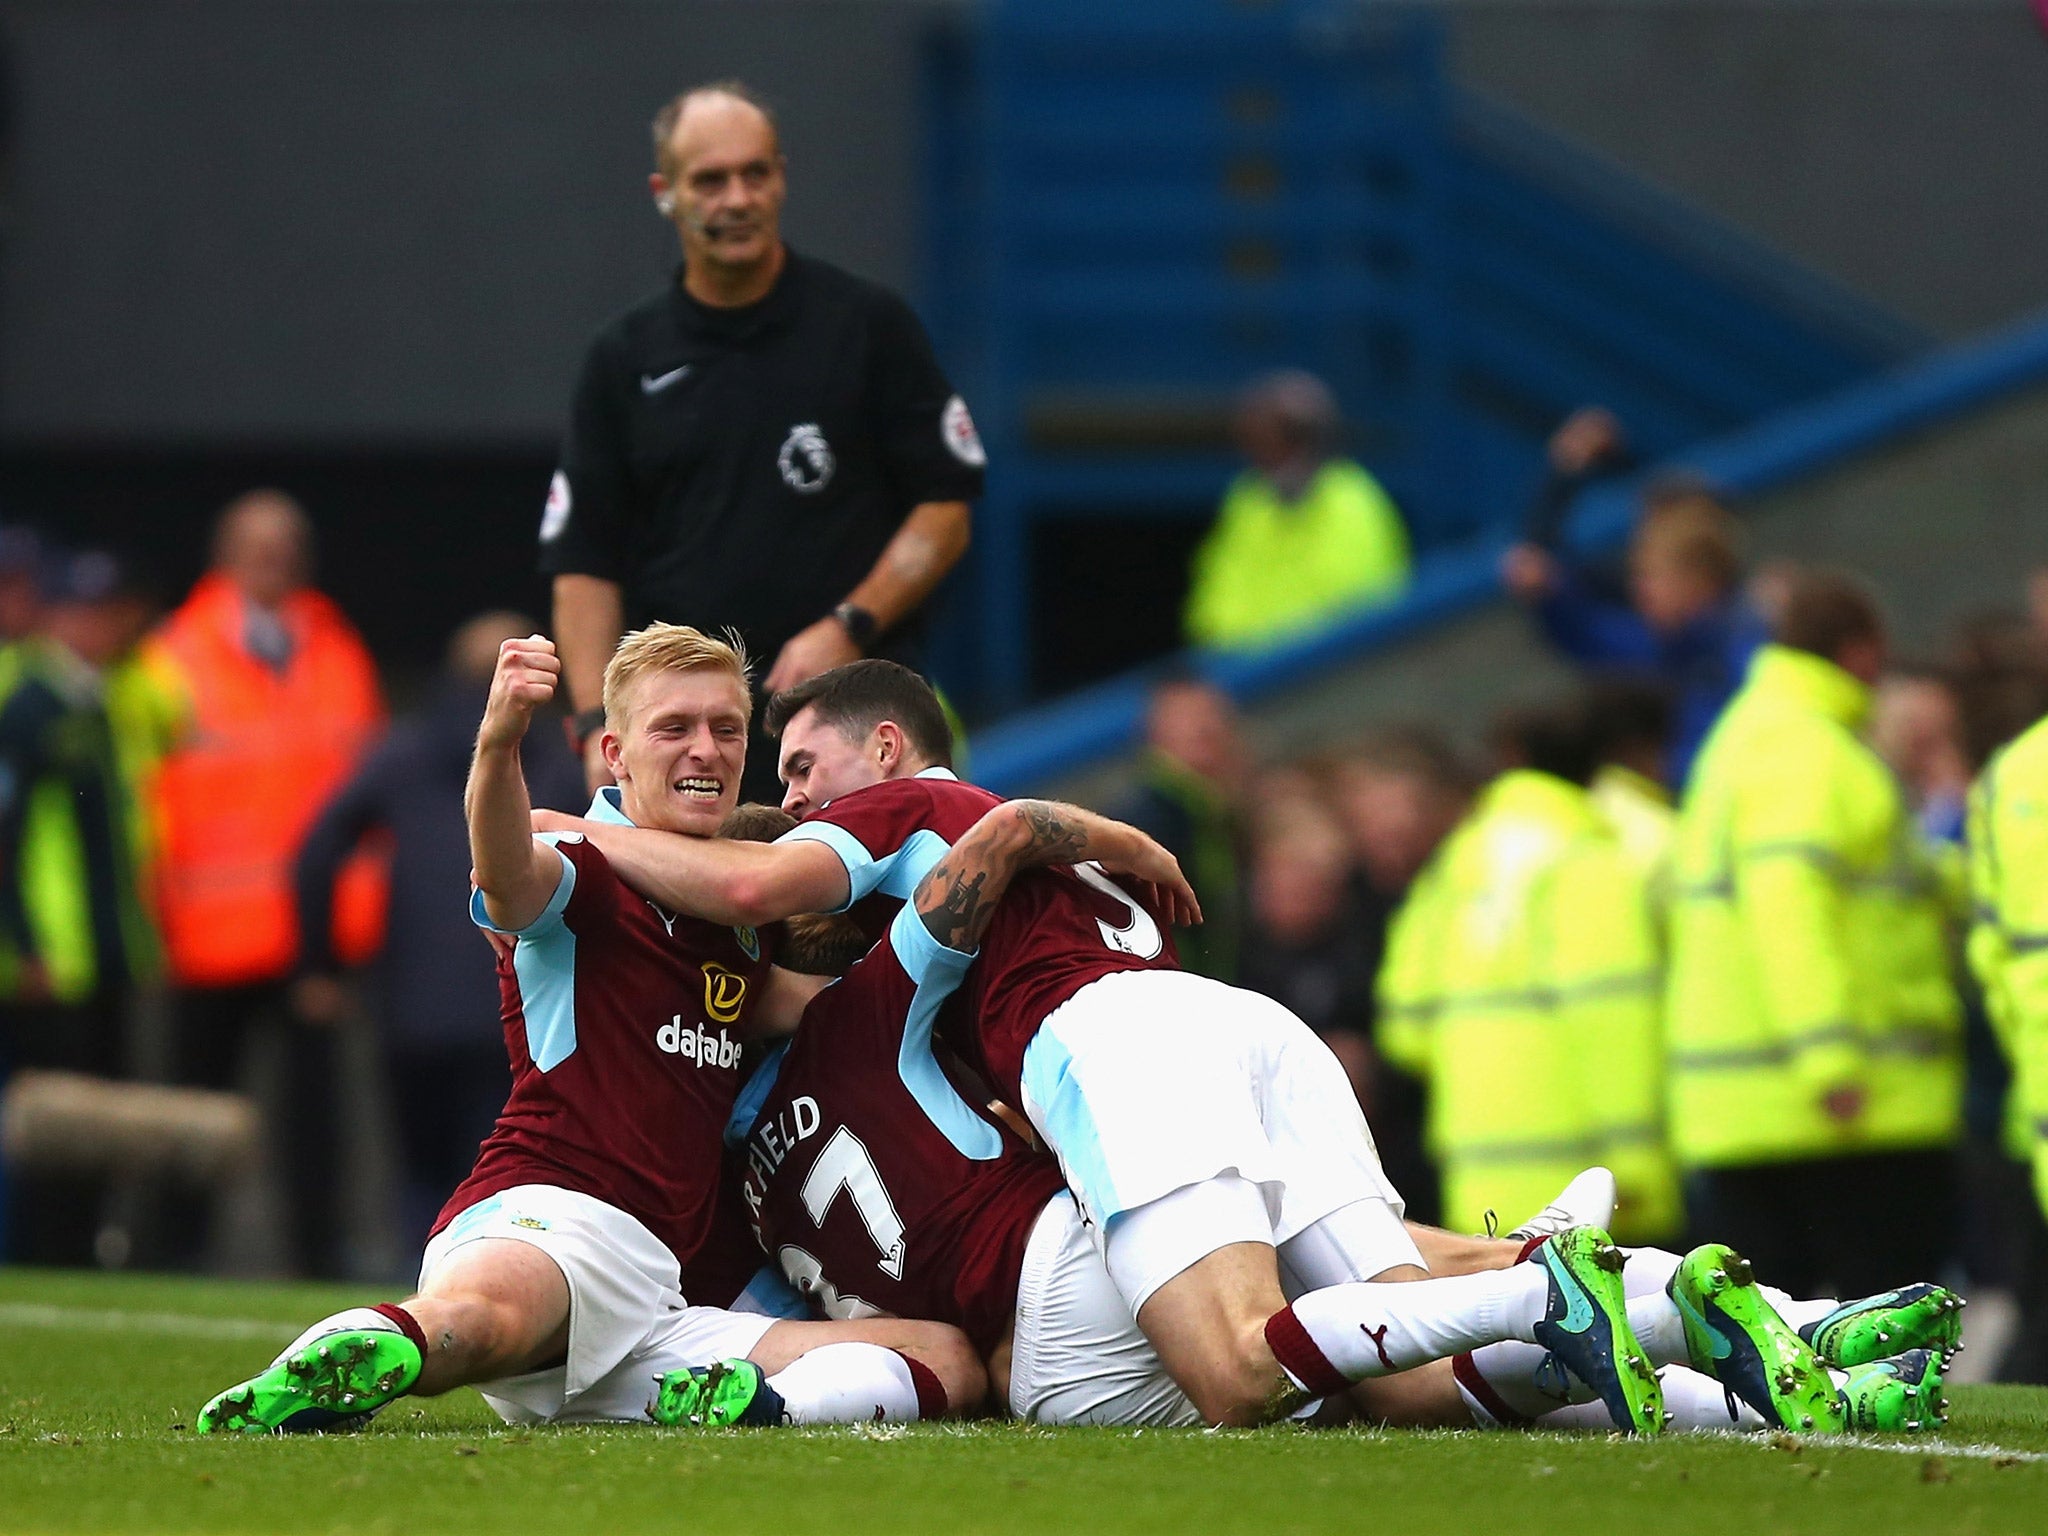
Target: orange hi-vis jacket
x=234 y=799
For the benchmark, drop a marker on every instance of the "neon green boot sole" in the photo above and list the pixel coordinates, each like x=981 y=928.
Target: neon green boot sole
x=334 y=1382
x=1735 y=1335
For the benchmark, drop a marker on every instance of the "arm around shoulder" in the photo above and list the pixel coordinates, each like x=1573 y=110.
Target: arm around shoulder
x=723 y=880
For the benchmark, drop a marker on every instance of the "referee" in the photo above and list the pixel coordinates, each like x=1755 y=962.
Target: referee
x=767 y=444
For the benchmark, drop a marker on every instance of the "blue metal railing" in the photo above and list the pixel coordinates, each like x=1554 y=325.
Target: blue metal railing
x=1134 y=207
x=1026 y=751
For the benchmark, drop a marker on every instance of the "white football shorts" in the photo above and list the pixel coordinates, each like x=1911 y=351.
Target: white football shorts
x=1148 y=1082
x=628 y=1321
x=1077 y=1356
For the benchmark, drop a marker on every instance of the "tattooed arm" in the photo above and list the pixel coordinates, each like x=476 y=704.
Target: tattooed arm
x=957 y=896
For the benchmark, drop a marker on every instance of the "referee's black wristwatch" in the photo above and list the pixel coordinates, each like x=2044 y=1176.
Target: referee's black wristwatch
x=858 y=623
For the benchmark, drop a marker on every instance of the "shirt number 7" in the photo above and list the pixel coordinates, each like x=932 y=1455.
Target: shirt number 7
x=845 y=1164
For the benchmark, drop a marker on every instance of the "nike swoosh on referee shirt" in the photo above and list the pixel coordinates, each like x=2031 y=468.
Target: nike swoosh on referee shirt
x=655 y=383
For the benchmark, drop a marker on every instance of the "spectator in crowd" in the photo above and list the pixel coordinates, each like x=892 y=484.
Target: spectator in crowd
x=21 y=583
x=432 y=982
x=283 y=701
x=1686 y=623
x=1398 y=793
x=2000 y=678
x=767 y=443
x=1307 y=945
x=1770 y=583
x=1916 y=725
x=2008 y=844
x=1814 y=1029
x=1630 y=724
x=1191 y=790
x=2000 y=670
x=1588 y=446
x=150 y=713
x=1304 y=535
x=1522 y=980
x=74 y=937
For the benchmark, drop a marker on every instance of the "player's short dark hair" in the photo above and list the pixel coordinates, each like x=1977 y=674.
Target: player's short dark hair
x=1550 y=738
x=1627 y=714
x=665 y=120
x=755 y=823
x=1824 y=611
x=859 y=696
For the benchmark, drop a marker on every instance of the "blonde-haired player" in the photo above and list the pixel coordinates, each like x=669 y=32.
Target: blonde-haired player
x=552 y=1278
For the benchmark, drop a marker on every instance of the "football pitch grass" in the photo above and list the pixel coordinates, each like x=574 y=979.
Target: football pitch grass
x=100 y=1377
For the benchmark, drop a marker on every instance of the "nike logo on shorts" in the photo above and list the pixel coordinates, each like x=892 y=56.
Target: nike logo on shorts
x=655 y=383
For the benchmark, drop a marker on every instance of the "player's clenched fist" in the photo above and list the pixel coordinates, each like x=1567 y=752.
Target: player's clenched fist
x=526 y=678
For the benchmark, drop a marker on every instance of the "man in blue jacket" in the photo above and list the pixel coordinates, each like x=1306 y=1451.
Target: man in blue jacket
x=1685 y=624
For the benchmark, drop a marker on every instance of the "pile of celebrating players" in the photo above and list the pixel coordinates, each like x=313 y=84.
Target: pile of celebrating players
x=906 y=1078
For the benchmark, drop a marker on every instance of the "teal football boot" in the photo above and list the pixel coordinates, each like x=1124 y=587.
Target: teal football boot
x=730 y=1393
x=1913 y=1317
x=1585 y=1328
x=1901 y=1395
x=1735 y=1335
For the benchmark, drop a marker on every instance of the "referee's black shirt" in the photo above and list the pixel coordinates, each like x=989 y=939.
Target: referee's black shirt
x=746 y=467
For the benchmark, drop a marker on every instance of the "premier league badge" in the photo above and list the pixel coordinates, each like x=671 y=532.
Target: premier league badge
x=806 y=459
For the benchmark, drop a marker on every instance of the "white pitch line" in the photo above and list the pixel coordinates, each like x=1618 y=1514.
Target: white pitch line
x=29 y=1315
x=1916 y=1445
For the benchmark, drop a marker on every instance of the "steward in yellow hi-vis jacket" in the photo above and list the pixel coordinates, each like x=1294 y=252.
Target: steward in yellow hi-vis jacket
x=2009 y=937
x=1522 y=983
x=1813 y=1026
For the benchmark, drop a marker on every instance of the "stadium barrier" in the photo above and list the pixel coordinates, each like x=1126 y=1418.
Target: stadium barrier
x=1027 y=750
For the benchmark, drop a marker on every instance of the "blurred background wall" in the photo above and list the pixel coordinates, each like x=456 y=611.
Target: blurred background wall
x=356 y=247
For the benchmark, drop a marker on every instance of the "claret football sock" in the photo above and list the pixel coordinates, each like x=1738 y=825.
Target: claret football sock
x=1345 y=1333
x=855 y=1382
x=1512 y=1384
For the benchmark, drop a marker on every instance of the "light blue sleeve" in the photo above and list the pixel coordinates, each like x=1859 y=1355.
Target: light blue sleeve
x=769 y=1295
x=937 y=971
x=892 y=874
x=551 y=915
x=929 y=963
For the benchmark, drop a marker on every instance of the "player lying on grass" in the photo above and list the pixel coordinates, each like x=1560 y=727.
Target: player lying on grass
x=866 y=1207
x=1210 y=1140
x=553 y=1277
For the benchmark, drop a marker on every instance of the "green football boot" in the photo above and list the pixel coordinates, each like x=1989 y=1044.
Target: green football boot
x=1735 y=1335
x=336 y=1381
x=1913 y=1317
x=732 y=1392
x=1901 y=1395
x=1585 y=1328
